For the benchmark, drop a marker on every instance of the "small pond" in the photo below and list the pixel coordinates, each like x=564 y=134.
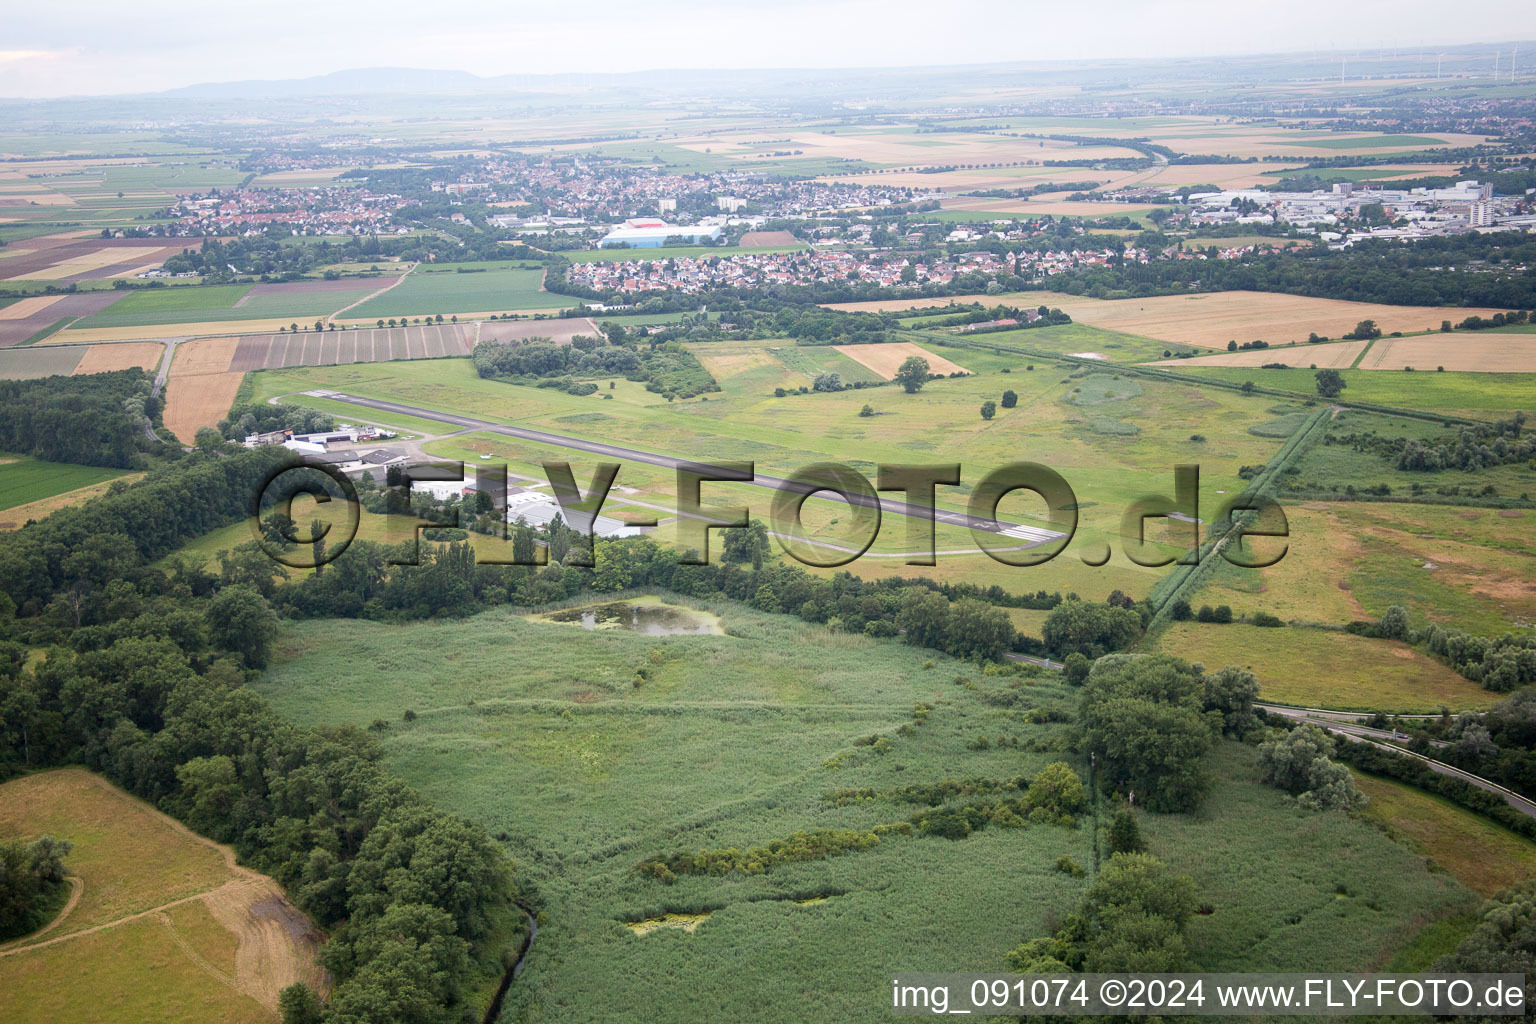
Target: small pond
x=646 y=615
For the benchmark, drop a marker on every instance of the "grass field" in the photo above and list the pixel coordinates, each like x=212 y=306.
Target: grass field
x=1479 y=395
x=1115 y=439
x=734 y=740
x=162 y=927
x=1466 y=567
x=1481 y=855
x=24 y=480
x=1324 y=668
x=1338 y=465
x=427 y=293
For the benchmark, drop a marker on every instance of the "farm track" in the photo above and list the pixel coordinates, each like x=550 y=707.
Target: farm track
x=372 y=295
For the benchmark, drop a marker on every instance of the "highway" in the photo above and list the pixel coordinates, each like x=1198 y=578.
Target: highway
x=1029 y=536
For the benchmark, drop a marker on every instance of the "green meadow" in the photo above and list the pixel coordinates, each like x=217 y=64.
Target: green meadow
x=429 y=292
x=24 y=479
x=584 y=758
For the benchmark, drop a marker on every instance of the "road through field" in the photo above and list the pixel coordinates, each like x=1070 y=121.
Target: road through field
x=1030 y=536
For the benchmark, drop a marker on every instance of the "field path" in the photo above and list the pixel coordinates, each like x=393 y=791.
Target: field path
x=372 y=295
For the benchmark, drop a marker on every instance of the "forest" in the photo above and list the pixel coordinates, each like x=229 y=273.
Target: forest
x=94 y=420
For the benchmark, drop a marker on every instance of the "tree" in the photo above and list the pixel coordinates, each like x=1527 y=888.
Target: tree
x=988 y=409
x=1010 y=399
x=977 y=630
x=1125 y=834
x=1394 y=623
x=1231 y=693
x=208 y=439
x=298 y=1004
x=1089 y=628
x=1056 y=790
x=1143 y=718
x=1075 y=669
x=1330 y=383
x=747 y=545
x=912 y=374
x=868 y=410
x=827 y=382
x=1504 y=941
x=1300 y=763
x=240 y=620
x=1365 y=330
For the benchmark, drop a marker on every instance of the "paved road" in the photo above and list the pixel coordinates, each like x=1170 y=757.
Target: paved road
x=1347 y=726
x=1029 y=536
x=1342 y=722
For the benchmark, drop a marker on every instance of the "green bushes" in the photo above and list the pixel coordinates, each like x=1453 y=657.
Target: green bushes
x=1300 y=763
x=1132 y=919
x=818 y=844
x=31 y=882
x=1089 y=628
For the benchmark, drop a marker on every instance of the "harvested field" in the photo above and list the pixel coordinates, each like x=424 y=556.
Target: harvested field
x=205 y=355
x=559 y=330
x=1212 y=319
x=1335 y=356
x=83 y=260
x=106 y=358
x=766 y=239
x=201 y=387
x=158 y=911
x=1487 y=353
x=886 y=358
x=160 y=332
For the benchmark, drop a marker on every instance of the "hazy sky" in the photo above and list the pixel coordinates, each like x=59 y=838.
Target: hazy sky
x=73 y=47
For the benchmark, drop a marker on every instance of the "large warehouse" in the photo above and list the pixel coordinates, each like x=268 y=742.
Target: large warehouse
x=649 y=233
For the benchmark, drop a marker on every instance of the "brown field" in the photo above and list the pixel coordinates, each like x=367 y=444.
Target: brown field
x=106 y=358
x=764 y=239
x=560 y=330
x=1336 y=356
x=17 y=515
x=1212 y=319
x=201 y=386
x=153 y=332
x=162 y=925
x=1489 y=353
x=886 y=358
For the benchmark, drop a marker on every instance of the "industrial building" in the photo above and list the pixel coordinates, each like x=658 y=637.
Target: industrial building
x=650 y=233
